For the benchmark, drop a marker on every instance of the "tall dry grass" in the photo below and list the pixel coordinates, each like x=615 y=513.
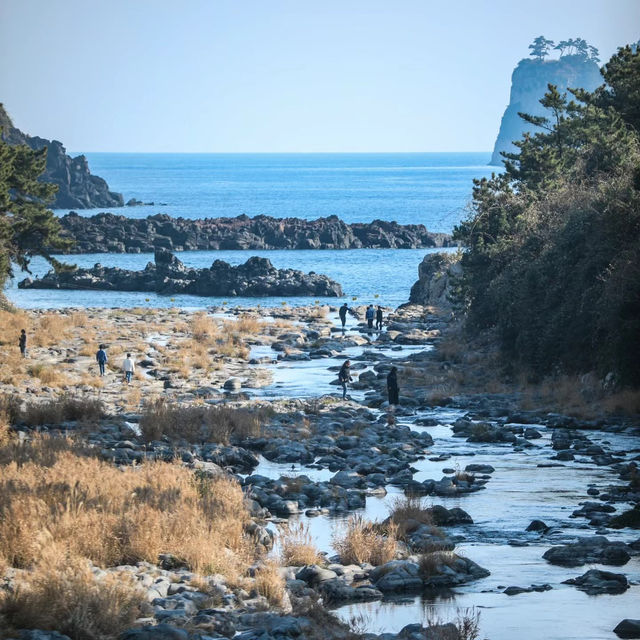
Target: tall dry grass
x=196 y=424
x=297 y=547
x=270 y=583
x=58 y=496
x=63 y=594
x=364 y=541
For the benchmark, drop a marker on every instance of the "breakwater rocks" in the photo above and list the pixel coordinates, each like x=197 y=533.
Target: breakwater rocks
x=256 y=277
x=107 y=232
x=77 y=187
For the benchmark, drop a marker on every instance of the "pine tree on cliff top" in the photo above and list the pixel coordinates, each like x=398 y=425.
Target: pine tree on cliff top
x=27 y=227
x=540 y=47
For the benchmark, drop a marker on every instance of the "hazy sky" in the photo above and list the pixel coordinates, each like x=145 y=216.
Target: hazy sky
x=278 y=75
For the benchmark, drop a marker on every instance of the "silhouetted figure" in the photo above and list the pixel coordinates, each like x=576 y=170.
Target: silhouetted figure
x=101 y=359
x=342 y=312
x=370 y=314
x=379 y=318
x=344 y=376
x=22 y=342
x=392 y=385
x=128 y=366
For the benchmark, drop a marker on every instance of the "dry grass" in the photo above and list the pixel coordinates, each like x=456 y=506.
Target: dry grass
x=270 y=583
x=57 y=496
x=408 y=513
x=430 y=564
x=250 y=325
x=63 y=594
x=199 y=423
x=297 y=547
x=364 y=541
x=87 y=410
x=48 y=375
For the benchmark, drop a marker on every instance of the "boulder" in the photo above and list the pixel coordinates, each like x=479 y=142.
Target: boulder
x=596 y=549
x=628 y=628
x=595 y=582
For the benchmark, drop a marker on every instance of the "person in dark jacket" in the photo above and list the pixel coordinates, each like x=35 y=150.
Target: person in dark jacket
x=22 y=342
x=101 y=359
x=370 y=314
x=392 y=385
x=379 y=318
x=342 y=312
x=344 y=376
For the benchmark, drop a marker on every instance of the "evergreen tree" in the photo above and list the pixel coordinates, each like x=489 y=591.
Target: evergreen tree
x=27 y=227
x=540 y=47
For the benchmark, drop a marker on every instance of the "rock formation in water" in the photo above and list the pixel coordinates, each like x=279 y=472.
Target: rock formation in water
x=256 y=277
x=436 y=276
x=77 y=188
x=107 y=232
x=529 y=84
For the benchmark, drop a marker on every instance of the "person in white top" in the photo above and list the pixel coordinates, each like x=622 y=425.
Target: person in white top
x=128 y=366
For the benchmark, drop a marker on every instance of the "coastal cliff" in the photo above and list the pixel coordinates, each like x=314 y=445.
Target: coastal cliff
x=77 y=188
x=107 y=232
x=529 y=83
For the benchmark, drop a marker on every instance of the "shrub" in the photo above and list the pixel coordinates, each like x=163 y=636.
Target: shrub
x=65 y=408
x=297 y=547
x=430 y=564
x=196 y=424
x=364 y=541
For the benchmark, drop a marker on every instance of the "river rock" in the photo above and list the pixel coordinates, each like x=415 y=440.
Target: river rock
x=628 y=628
x=596 y=581
x=589 y=550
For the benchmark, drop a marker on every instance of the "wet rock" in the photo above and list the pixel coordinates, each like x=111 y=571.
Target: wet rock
x=589 y=550
x=596 y=581
x=159 y=632
x=630 y=518
x=397 y=576
x=514 y=591
x=479 y=468
x=313 y=575
x=338 y=591
x=538 y=525
x=628 y=628
x=443 y=517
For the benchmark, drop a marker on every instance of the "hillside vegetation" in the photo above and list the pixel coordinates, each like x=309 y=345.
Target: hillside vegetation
x=553 y=259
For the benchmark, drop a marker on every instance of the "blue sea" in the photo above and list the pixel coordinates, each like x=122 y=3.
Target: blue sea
x=433 y=189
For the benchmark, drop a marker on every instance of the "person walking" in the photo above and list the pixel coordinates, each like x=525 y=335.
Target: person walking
x=344 y=376
x=128 y=366
x=392 y=386
x=379 y=318
x=22 y=343
x=370 y=315
x=101 y=359
x=342 y=312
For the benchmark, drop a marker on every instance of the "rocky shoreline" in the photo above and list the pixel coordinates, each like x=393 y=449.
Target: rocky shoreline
x=168 y=276
x=362 y=455
x=109 y=233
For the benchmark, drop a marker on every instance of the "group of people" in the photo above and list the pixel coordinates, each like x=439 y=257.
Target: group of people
x=370 y=315
x=128 y=365
x=393 y=391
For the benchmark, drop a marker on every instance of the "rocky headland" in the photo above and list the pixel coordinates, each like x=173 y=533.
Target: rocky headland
x=529 y=83
x=168 y=276
x=77 y=187
x=111 y=233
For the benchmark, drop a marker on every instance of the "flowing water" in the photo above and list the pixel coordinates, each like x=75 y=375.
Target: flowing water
x=518 y=492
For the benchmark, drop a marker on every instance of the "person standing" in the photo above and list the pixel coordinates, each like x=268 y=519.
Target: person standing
x=379 y=318
x=101 y=359
x=128 y=366
x=342 y=312
x=22 y=342
x=370 y=315
x=344 y=376
x=392 y=386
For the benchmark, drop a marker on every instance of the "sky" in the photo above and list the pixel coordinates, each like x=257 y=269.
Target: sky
x=280 y=75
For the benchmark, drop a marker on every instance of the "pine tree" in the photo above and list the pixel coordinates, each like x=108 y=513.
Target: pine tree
x=540 y=47
x=27 y=227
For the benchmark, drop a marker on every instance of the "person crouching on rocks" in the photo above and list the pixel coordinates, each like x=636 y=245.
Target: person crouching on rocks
x=392 y=386
x=101 y=359
x=344 y=376
x=128 y=366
